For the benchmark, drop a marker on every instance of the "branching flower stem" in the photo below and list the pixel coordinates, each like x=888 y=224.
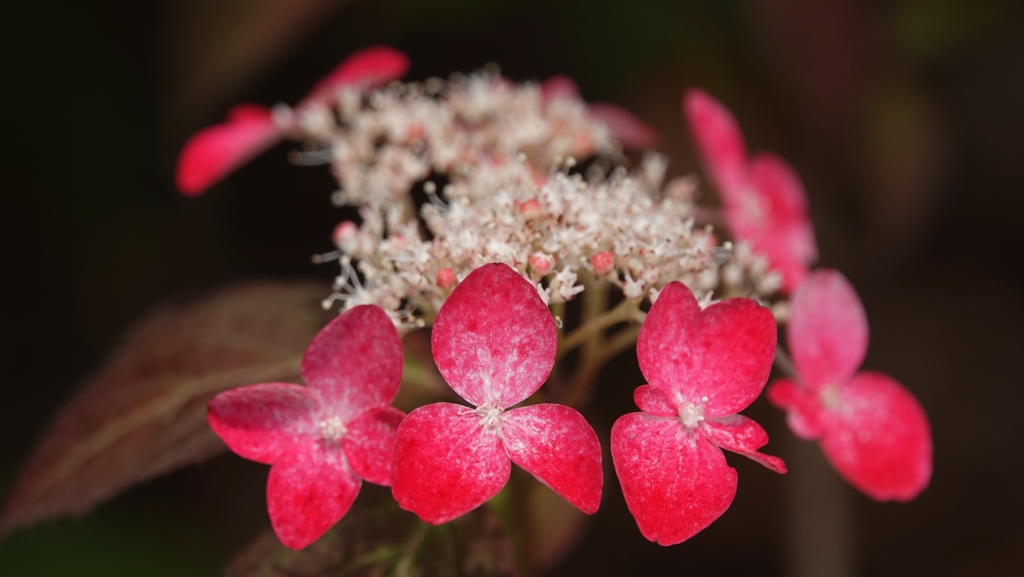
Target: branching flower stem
x=595 y=325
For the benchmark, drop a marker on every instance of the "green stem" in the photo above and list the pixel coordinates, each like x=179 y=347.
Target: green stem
x=403 y=567
x=581 y=388
x=622 y=312
x=522 y=523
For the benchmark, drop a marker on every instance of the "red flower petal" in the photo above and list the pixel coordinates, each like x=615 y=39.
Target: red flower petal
x=560 y=86
x=447 y=462
x=654 y=401
x=804 y=413
x=309 y=490
x=370 y=443
x=880 y=440
x=724 y=352
x=675 y=482
x=627 y=127
x=494 y=341
x=741 y=435
x=782 y=230
x=719 y=142
x=261 y=422
x=214 y=152
x=368 y=68
x=355 y=362
x=828 y=330
x=556 y=445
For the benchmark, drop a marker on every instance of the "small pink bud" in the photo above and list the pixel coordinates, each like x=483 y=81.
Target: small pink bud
x=541 y=263
x=531 y=209
x=603 y=262
x=446 y=278
x=344 y=231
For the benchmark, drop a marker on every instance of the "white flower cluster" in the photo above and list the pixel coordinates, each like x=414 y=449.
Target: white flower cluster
x=380 y=147
x=506 y=155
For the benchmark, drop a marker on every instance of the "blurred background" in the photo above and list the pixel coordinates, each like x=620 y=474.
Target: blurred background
x=903 y=117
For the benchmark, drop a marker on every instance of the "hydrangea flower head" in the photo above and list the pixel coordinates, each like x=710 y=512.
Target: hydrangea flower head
x=763 y=197
x=322 y=440
x=494 y=342
x=703 y=366
x=250 y=129
x=871 y=428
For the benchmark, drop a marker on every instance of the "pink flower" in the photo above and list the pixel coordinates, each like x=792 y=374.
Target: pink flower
x=214 y=152
x=494 y=342
x=764 y=200
x=871 y=428
x=324 y=439
x=627 y=128
x=703 y=368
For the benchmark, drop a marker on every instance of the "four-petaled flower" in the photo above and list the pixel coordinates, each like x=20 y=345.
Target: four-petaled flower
x=214 y=152
x=703 y=367
x=870 y=427
x=494 y=342
x=763 y=198
x=322 y=440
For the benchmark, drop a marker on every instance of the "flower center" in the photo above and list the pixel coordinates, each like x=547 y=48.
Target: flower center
x=692 y=414
x=490 y=416
x=332 y=429
x=830 y=396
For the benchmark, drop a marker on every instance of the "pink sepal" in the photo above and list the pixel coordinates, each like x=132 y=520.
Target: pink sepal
x=370 y=442
x=494 y=340
x=828 y=330
x=723 y=353
x=214 y=152
x=675 y=482
x=446 y=463
x=558 y=87
x=803 y=413
x=367 y=68
x=719 y=142
x=741 y=435
x=783 y=232
x=628 y=129
x=355 y=362
x=261 y=422
x=310 y=488
x=654 y=401
x=556 y=445
x=881 y=441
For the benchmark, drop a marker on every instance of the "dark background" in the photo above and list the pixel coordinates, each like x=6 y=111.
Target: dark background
x=904 y=118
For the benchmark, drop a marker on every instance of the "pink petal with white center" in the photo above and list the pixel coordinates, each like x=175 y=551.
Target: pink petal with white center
x=447 y=462
x=628 y=129
x=788 y=236
x=309 y=490
x=719 y=142
x=214 y=152
x=367 y=68
x=556 y=445
x=741 y=435
x=370 y=443
x=355 y=362
x=804 y=413
x=261 y=422
x=675 y=481
x=828 y=330
x=880 y=440
x=654 y=401
x=723 y=353
x=559 y=87
x=494 y=340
